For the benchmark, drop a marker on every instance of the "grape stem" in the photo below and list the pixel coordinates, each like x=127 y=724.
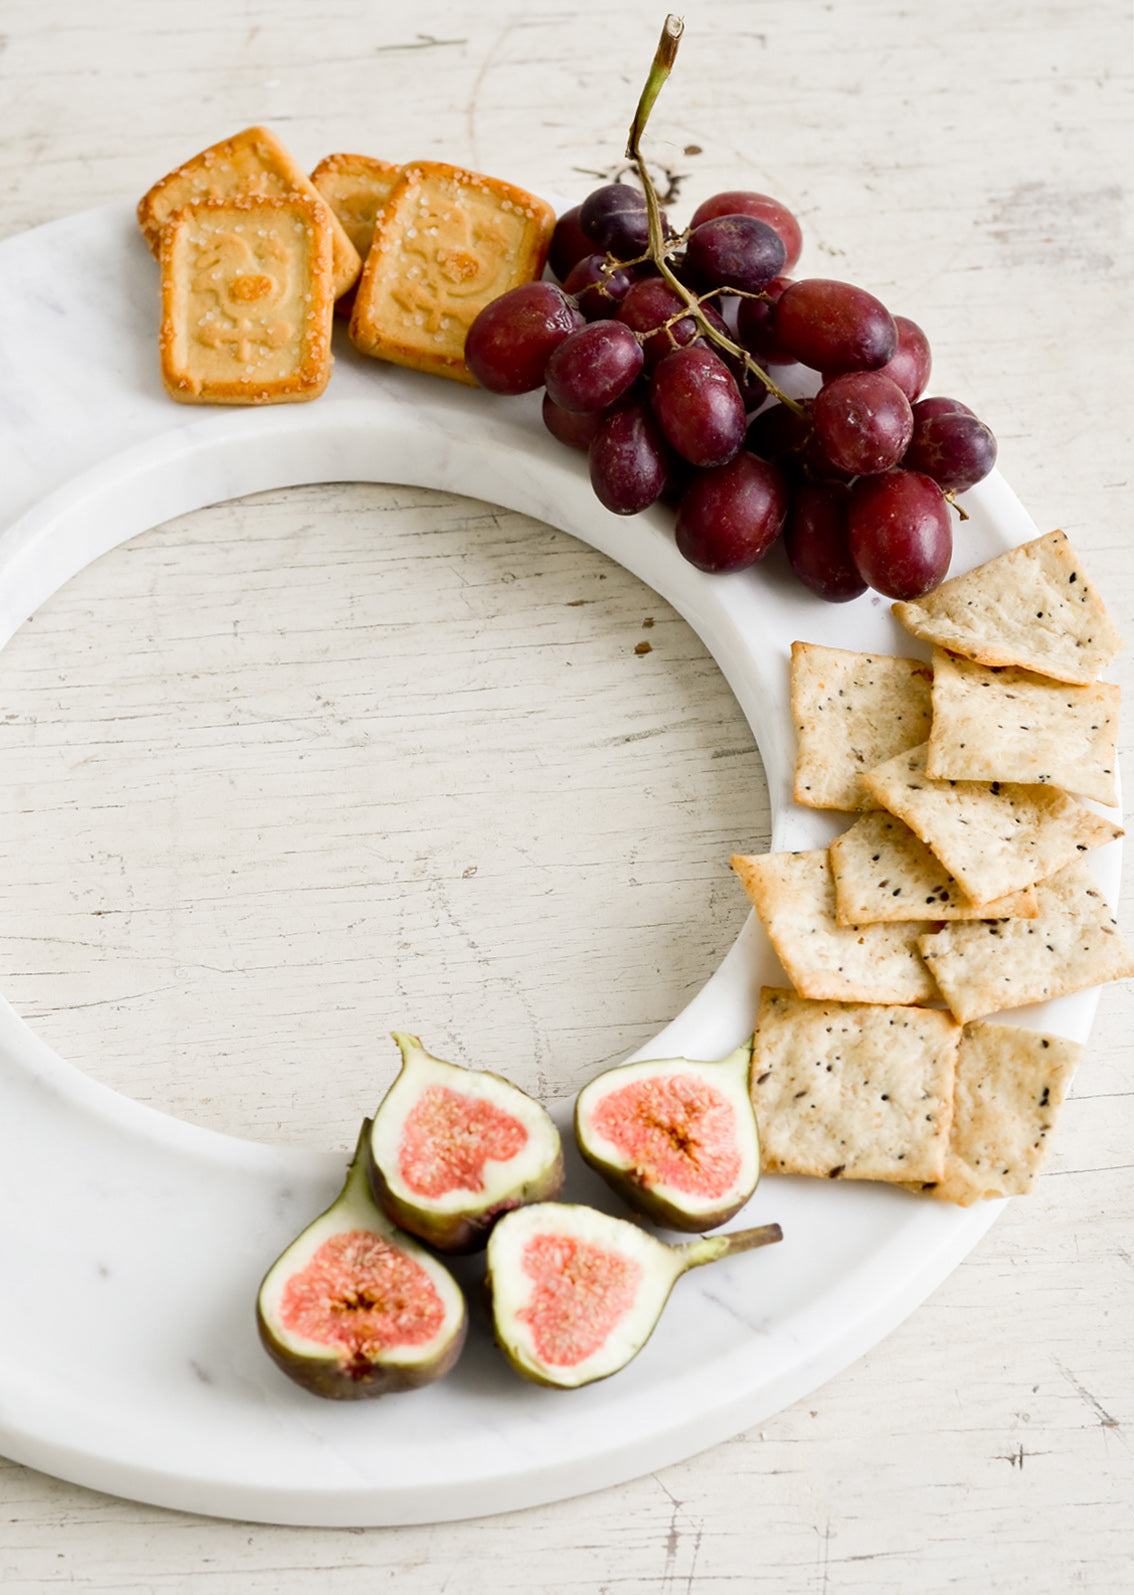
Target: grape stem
x=662 y=65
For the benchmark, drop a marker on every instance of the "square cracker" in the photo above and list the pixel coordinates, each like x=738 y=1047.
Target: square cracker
x=882 y=871
x=449 y=242
x=1032 y=607
x=852 y=711
x=995 y=837
x=852 y=1090
x=357 y=188
x=1009 y=1088
x=1002 y=723
x=983 y=966
x=246 y=301
x=253 y=162
x=794 y=895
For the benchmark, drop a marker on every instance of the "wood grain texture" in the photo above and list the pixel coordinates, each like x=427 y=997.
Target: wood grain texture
x=288 y=772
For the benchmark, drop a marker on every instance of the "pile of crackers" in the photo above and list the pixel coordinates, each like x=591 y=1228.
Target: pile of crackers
x=256 y=256
x=961 y=890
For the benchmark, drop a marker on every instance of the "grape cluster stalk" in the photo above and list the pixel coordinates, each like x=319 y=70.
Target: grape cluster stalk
x=656 y=351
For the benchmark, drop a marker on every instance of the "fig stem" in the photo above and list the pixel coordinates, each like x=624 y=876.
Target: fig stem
x=664 y=57
x=710 y=1247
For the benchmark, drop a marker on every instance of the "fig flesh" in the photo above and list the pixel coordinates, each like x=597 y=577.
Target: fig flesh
x=353 y=1308
x=576 y=1293
x=676 y=1139
x=451 y=1149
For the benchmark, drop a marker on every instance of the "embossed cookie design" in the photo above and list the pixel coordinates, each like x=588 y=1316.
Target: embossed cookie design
x=250 y=164
x=247 y=296
x=447 y=242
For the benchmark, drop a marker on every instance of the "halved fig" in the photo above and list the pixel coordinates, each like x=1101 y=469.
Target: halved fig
x=353 y=1308
x=576 y=1293
x=451 y=1149
x=676 y=1139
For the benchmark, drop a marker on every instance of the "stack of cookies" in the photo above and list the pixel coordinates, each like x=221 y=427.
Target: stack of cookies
x=962 y=883
x=256 y=256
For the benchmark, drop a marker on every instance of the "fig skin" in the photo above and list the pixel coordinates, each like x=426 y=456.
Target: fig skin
x=466 y=1229
x=334 y=1377
x=633 y=1185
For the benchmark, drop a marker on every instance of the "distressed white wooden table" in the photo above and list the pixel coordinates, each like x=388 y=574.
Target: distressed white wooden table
x=193 y=905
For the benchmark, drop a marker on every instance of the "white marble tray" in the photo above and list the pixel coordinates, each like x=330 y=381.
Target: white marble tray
x=131 y=1245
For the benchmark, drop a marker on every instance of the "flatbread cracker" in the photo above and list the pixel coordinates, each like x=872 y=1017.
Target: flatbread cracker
x=852 y=1090
x=1009 y=1088
x=882 y=871
x=1074 y=942
x=1032 y=607
x=1002 y=723
x=794 y=895
x=995 y=837
x=852 y=711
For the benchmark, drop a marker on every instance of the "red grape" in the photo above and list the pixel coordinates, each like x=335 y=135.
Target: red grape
x=834 y=326
x=598 y=286
x=646 y=309
x=615 y=218
x=901 y=538
x=511 y=340
x=956 y=450
x=939 y=406
x=593 y=367
x=863 y=422
x=817 y=541
x=738 y=202
x=698 y=405
x=729 y=517
x=756 y=326
x=629 y=460
x=734 y=252
x=569 y=243
x=910 y=365
x=568 y=426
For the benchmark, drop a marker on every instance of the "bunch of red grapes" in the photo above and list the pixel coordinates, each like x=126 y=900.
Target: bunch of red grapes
x=658 y=363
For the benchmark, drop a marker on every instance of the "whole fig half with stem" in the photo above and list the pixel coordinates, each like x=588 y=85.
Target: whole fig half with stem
x=353 y=1308
x=676 y=1139
x=451 y=1149
x=576 y=1293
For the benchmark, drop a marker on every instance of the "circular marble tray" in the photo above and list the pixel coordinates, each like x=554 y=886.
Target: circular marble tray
x=152 y=1384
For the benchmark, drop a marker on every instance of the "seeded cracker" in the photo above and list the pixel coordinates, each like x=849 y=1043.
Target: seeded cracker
x=995 y=837
x=1074 y=942
x=794 y=895
x=882 y=871
x=1009 y=1088
x=852 y=711
x=853 y=1090
x=1032 y=607
x=1012 y=725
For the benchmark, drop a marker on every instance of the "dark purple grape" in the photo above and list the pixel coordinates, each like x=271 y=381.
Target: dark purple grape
x=629 y=459
x=730 y=517
x=756 y=326
x=863 y=422
x=569 y=243
x=615 y=219
x=910 y=365
x=647 y=308
x=598 y=286
x=956 y=450
x=834 y=326
x=698 y=405
x=780 y=435
x=590 y=370
x=817 y=541
x=739 y=202
x=734 y=252
x=577 y=431
x=938 y=406
x=901 y=537
x=511 y=340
